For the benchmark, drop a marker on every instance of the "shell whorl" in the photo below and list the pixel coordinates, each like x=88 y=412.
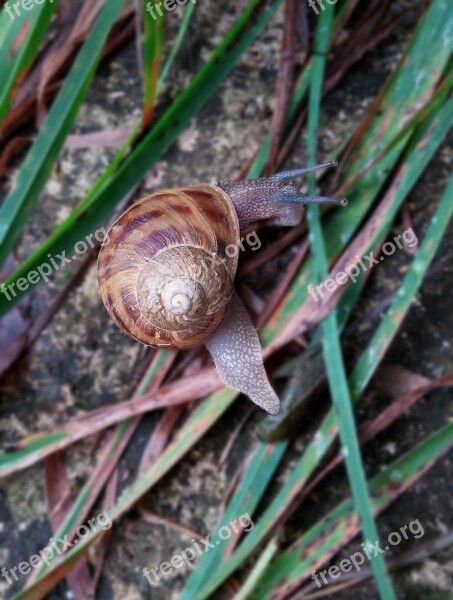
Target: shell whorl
x=164 y=272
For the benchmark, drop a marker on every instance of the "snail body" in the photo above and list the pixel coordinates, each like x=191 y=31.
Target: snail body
x=166 y=276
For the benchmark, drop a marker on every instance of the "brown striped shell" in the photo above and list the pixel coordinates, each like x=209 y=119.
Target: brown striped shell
x=164 y=272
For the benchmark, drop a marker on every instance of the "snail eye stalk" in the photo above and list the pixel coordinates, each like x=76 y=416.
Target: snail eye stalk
x=290 y=194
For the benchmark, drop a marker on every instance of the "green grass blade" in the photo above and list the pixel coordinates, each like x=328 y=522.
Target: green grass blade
x=38 y=164
x=393 y=318
x=178 y=41
x=331 y=340
x=261 y=566
x=89 y=215
x=15 y=57
x=339 y=526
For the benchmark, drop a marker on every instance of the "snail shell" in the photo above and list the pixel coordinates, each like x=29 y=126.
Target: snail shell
x=164 y=274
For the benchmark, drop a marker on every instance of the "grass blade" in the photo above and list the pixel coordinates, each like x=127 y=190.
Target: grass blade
x=331 y=339
x=259 y=471
x=20 y=37
x=258 y=570
x=392 y=320
x=178 y=41
x=38 y=164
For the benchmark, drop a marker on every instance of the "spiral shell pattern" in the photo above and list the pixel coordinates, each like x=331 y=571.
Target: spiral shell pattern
x=164 y=273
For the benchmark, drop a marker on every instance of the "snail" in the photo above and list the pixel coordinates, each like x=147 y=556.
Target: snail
x=166 y=275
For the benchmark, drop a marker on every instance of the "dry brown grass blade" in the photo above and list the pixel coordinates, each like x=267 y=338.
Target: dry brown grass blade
x=13 y=148
x=58 y=489
x=285 y=82
x=234 y=436
x=408 y=224
x=350 y=8
x=59 y=500
x=53 y=66
x=13 y=338
x=23 y=112
x=164 y=427
x=232 y=486
x=66 y=15
x=283 y=285
x=180 y=392
x=369 y=36
x=14 y=330
x=107 y=138
x=302 y=28
x=101 y=550
x=153 y=519
x=252 y=300
x=273 y=250
x=400 y=406
x=395 y=381
x=160 y=437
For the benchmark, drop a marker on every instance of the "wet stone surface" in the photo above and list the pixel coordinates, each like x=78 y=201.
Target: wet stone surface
x=82 y=362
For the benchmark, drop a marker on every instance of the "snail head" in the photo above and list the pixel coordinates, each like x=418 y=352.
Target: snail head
x=276 y=200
